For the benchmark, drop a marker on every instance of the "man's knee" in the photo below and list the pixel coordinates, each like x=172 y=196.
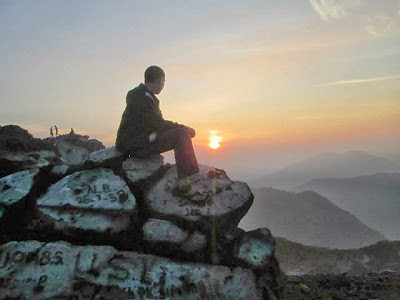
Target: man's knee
x=183 y=134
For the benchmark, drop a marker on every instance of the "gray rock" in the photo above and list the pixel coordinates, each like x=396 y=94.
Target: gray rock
x=34 y=270
x=60 y=170
x=72 y=154
x=155 y=230
x=96 y=200
x=215 y=200
x=12 y=162
x=16 y=139
x=97 y=221
x=14 y=187
x=195 y=242
x=255 y=249
x=141 y=168
x=103 y=155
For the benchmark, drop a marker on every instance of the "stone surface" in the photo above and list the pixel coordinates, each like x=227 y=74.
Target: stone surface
x=34 y=270
x=14 y=139
x=195 y=242
x=96 y=200
x=155 y=230
x=216 y=200
x=103 y=155
x=12 y=162
x=60 y=170
x=92 y=203
x=20 y=151
x=141 y=168
x=14 y=187
x=74 y=148
x=71 y=154
x=255 y=248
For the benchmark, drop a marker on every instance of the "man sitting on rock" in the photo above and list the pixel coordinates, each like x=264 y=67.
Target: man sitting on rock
x=144 y=132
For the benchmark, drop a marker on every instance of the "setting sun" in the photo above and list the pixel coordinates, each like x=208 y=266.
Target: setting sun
x=214 y=140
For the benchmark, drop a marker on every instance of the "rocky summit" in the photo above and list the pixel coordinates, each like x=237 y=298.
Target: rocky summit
x=81 y=221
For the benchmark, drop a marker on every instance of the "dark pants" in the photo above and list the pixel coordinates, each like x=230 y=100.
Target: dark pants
x=181 y=142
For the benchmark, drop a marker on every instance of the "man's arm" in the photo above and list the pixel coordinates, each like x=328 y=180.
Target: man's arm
x=192 y=132
x=154 y=121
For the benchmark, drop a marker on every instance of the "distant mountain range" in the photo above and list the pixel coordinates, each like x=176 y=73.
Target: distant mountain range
x=307 y=218
x=374 y=199
x=326 y=165
x=297 y=259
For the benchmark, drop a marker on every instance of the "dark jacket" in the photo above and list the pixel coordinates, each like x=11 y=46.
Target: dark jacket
x=141 y=117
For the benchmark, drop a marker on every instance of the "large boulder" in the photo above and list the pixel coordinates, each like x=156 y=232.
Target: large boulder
x=95 y=201
x=34 y=270
x=104 y=155
x=165 y=238
x=15 y=139
x=15 y=187
x=215 y=203
x=20 y=151
x=139 y=169
x=75 y=149
x=15 y=162
x=163 y=231
x=15 y=204
x=255 y=249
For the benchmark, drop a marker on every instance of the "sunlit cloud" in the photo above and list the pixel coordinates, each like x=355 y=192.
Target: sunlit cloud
x=373 y=19
x=334 y=9
x=353 y=81
x=379 y=24
x=371 y=30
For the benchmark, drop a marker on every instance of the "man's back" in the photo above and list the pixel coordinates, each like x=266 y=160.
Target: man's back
x=141 y=117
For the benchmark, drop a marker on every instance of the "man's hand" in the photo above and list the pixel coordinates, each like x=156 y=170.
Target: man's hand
x=191 y=131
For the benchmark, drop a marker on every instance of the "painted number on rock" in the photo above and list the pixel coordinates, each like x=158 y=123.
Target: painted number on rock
x=104 y=193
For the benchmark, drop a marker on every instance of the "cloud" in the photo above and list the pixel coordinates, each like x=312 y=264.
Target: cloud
x=376 y=19
x=334 y=9
x=361 y=80
x=379 y=24
x=371 y=29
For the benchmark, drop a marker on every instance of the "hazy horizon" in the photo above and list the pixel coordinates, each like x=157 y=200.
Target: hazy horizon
x=277 y=81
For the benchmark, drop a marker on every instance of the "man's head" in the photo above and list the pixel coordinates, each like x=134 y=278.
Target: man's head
x=154 y=79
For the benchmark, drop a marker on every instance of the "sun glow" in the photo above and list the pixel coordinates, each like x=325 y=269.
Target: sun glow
x=214 y=140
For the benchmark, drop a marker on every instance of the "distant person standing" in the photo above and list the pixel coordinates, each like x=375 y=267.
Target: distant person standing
x=51 y=132
x=55 y=127
x=72 y=131
x=144 y=132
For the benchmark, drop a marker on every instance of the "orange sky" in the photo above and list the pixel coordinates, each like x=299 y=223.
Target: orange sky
x=278 y=79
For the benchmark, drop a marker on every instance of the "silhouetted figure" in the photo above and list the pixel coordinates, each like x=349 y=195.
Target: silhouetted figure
x=51 y=132
x=55 y=127
x=72 y=131
x=144 y=132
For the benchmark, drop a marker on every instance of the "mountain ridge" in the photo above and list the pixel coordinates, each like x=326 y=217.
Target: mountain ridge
x=307 y=218
x=326 y=165
x=374 y=199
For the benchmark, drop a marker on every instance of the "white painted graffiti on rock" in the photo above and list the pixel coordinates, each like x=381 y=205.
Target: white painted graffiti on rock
x=34 y=270
x=96 y=189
